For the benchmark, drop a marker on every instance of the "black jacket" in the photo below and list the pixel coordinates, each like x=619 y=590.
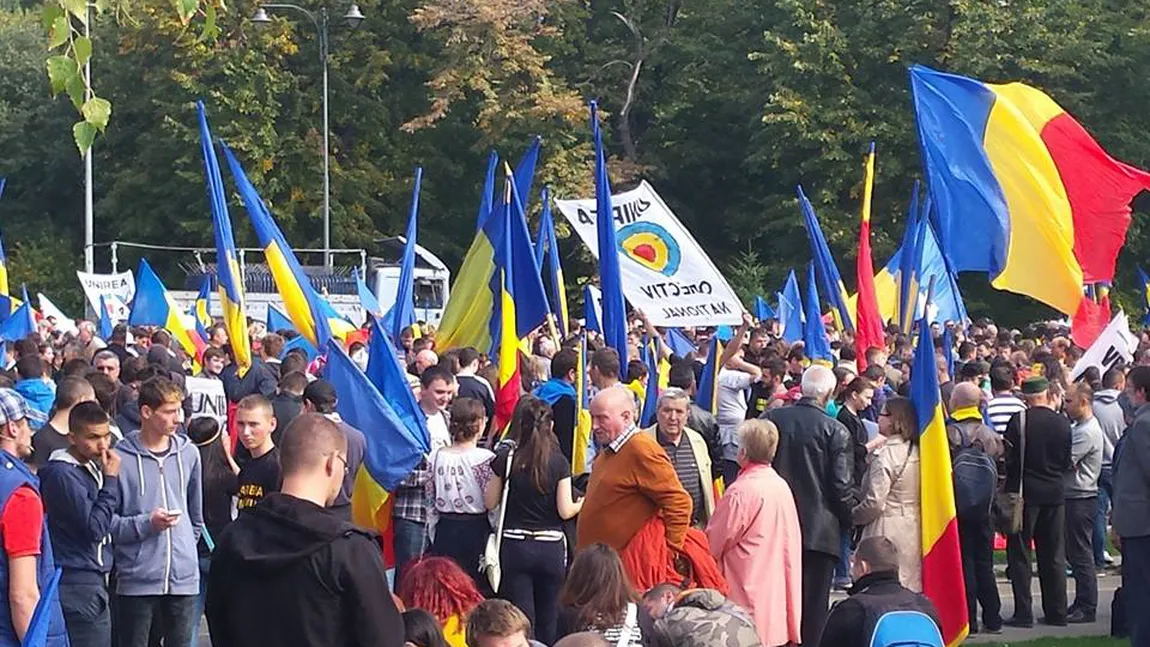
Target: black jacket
x=1047 y=459
x=815 y=457
x=851 y=622
x=288 y=572
x=857 y=430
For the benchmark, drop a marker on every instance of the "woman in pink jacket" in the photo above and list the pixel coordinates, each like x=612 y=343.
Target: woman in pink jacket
x=755 y=538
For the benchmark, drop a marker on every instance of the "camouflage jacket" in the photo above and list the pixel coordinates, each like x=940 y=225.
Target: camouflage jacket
x=704 y=618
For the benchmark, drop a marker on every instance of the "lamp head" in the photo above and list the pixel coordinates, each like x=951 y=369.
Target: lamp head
x=353 y=17
x=261 y=17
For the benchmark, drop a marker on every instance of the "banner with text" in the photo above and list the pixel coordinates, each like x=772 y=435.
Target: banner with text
x=115 y=288
x=666 y=274
x=207 y=399
x=1115 y=344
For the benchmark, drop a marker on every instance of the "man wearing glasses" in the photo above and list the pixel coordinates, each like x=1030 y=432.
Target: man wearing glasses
x=290 y=570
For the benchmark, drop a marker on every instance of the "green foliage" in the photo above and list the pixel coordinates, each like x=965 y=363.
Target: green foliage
x=38 y=262
x=747 y=276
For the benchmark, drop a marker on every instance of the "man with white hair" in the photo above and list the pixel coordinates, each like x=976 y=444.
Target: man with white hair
x=687 y=451
x=815 y=458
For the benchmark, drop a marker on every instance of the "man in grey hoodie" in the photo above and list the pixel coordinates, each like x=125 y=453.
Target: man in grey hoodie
x=157 y=525
x=1111 y=417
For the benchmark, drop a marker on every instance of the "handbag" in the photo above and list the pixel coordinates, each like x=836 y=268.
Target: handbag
x=489 y=562
x=1008 y=513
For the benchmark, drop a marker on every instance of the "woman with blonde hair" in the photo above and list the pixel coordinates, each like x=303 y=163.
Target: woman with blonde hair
x=891 y=505
x=755 y=537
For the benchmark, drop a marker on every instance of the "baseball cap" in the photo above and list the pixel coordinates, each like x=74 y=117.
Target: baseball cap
x=13 y=407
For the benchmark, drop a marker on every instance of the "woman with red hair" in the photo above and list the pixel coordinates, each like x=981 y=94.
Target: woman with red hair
x=438 y=585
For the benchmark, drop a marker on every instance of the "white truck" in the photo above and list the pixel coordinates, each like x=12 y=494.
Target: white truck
x=432 y=279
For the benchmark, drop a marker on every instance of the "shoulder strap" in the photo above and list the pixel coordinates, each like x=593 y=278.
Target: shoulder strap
x=1022 y=446
x=503 y=504
x=629 y=625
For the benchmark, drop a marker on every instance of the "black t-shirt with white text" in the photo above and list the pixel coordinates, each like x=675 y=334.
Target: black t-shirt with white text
x=258 y=478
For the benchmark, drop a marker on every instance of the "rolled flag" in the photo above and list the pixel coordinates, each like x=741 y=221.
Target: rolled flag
x=105 y=321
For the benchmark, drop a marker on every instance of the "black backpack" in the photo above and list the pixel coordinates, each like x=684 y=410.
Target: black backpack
x=975 y=478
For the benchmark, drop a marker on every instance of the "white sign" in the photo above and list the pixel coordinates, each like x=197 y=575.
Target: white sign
x=59 y=320
x=113 y=287
x=664 y=271
x=208 y=399
x=1115 y=343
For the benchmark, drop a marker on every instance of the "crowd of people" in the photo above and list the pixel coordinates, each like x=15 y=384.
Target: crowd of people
x=726 y=519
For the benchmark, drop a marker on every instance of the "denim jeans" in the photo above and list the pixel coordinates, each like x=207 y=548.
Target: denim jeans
x=138 y=614
x=843 y=567
x=410 y=538
x=205 y=568
x=1105 y=489
x=86 y=614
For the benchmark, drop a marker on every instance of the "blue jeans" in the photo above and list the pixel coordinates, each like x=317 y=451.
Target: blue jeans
x=410 y=539
x=205 y=568
x=843 y=567
x=86 y=614
x=1105 y=490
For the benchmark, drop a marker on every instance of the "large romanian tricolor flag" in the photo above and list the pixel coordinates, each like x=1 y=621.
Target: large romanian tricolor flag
x=154 y=306
x=228 y=276
x=941 y=555
x=402 y=312
x=509 y=386
x=6 y=304
x=1023 y=192
x=300 y=299
x=475 y=292
x=548 y=264
x=1144 y=290
x=868 y=322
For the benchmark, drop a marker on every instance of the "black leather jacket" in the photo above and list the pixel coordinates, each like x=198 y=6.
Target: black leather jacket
x=815 y=457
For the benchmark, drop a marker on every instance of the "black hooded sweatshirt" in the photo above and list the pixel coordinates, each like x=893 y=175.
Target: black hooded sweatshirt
x=289 y=572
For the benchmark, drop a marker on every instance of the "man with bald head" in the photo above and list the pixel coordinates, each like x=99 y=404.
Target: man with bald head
x=632 y=480
x=289 y=571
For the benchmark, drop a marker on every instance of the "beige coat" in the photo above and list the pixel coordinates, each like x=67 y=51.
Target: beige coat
x=703 y=460
x=891 y=504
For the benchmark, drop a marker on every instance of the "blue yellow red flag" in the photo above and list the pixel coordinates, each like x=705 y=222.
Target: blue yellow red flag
x=386 y=372
x=591 y=313
x=392 y=450
x=868 y=318
x=295 y=289
x=1023 y=192
x=367 y=299
x=6 y=305
x=509 y=385
x=42 y=614
x=614 y=320
x=941 y=555
x=651 y=393
x=228 y=277
x=678 y=342
x=154 y=306
x=402 y=312
x=278 y=321
x=825 y=266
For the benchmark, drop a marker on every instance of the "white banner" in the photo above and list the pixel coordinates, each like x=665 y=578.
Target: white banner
x=664 y=271
x=121 y=286
x=208 y=399
x=58 y=319
x=1115 y=343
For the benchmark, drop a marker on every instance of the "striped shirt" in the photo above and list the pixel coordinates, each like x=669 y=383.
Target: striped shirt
x=1001 y=408
x=683 y=458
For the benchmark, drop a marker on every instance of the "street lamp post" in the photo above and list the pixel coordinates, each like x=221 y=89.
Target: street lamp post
x=352 y=18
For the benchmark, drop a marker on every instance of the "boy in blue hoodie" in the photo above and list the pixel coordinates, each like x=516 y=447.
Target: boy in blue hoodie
x=158 y=524
x=80 y=487
x=39 y=393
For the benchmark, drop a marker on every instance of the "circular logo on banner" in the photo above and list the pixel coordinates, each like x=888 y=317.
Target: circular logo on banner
x=651 y=246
